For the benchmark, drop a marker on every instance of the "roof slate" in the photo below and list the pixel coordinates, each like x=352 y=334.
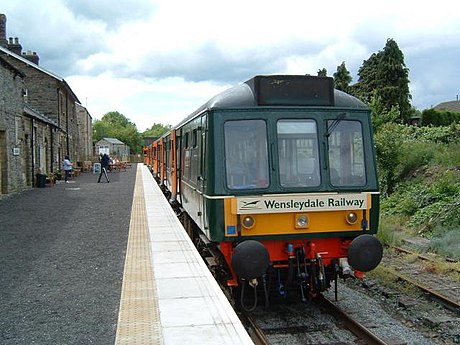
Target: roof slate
x=451 y=106
x=114 y=141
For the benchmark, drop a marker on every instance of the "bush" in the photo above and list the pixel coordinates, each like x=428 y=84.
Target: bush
x=445 y=242
x=439 y=117
x=391 y=230
x=416 y=155
x=419 y=175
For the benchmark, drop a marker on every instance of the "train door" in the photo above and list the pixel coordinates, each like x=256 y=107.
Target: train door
x=155 y=159
x=173 y=164
x=178 y=148
x=161 y=161
x=202 y=177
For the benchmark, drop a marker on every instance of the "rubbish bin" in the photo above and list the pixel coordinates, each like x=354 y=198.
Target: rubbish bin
x=41 y=180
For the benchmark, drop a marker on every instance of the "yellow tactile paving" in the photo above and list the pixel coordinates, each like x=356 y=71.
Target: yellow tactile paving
x=138 y=318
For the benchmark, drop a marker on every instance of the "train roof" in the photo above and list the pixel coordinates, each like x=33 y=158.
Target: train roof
x=281 y=90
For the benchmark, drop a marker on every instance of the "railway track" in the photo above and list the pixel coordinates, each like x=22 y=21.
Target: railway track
x=446 y=298
x=321 y=322
x=441 y=288
x=363 y=333
x=425 y=257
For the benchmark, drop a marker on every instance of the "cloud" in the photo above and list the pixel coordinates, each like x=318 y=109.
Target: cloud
x=158 y=60
x=109 y=12
x=144 y=102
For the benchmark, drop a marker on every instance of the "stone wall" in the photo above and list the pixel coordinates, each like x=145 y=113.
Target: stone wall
x=12 y=145
x=50 y=96
x=85 y=137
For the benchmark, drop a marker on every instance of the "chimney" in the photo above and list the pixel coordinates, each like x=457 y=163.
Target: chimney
x=3 y=41
x=14 y=47
x=32 y=57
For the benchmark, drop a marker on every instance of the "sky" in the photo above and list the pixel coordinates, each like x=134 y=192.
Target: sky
x=157 y=61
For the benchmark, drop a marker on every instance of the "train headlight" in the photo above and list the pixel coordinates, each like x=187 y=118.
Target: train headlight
x=248 y=222
x=302 y=221
x=351 y=218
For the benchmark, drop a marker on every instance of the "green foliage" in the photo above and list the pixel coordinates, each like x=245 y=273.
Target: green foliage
x=385 y=74
x=380 y=115
x=391 y=230
x=402 y=149
x=413 y=156
x=427 y=202
x=116 y=125
x=157 y=130
x=342 y=78
x=387 y=144
x=439 y=117
x=445 y=240
x=420 y=178
x=446 y=155
x=322 y=72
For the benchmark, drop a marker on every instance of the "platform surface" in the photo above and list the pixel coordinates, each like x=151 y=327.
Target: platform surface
x=169 y=296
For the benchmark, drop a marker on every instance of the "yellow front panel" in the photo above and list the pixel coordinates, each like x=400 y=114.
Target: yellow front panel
x=285 y=223
x=230 y=217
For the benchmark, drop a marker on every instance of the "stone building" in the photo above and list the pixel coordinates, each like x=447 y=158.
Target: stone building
x=41 y=119
x=11 y=88
x=85 y=134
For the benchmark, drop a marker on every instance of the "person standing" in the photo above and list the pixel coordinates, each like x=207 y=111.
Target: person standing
x=105 y=161
x=67 y=167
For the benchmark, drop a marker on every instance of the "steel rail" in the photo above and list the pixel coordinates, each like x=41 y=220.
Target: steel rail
x=354 y=326
x=423 y=257
x=455 y=306
x=254 y=331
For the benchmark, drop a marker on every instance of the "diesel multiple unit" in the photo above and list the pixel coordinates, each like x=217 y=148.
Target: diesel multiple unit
x=275 y=181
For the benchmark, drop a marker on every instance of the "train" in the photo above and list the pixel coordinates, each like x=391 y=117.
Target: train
x=275 y=181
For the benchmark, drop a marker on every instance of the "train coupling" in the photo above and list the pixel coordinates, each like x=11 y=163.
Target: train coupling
x=345 y=267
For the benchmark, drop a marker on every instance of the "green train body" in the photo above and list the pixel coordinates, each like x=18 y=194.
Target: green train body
x=286 y=163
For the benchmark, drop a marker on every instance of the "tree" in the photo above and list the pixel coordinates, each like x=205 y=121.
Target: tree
x=157 y=130
x=116 y=125
x=322 y=72
x=342 y=78
x=380 y=115
x=385 y=75
x=388 y=141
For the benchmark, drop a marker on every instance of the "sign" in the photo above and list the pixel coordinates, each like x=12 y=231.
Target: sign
x=16 y=151
x=301 y=203
x=104 y=149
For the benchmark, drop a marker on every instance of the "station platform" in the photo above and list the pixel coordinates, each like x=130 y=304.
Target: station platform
x=168 y=294
x=102 y=263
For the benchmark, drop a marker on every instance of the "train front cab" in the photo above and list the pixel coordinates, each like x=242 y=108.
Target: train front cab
x=302 y=194
x=287 y=190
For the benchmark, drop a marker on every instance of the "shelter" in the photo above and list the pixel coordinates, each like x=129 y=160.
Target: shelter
x=113 y=147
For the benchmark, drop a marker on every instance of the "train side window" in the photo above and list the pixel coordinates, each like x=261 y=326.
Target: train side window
x=246 y=154
x=186 y=140
x=186 y=171
x=195 y=138
x=298 y=153
x=346 y=154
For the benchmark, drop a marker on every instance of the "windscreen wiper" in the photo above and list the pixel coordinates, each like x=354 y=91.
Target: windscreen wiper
x=335 y=123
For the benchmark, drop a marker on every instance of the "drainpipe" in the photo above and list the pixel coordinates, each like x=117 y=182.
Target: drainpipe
x=32 y=139
x=67 y=125
x=52 y=148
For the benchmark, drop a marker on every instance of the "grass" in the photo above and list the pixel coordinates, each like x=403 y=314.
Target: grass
x=446 y=242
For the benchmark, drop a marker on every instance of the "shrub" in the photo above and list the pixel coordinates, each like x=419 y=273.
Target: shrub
x=439 y=117
x=445 y=242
